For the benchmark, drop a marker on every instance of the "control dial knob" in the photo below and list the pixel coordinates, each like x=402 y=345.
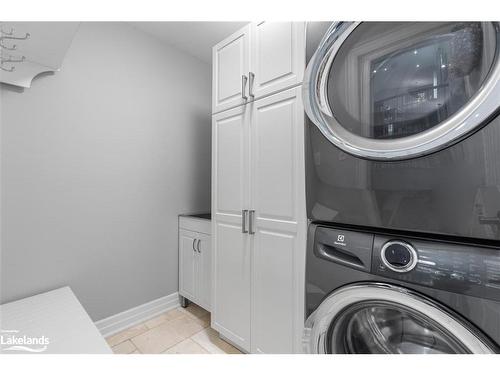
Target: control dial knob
x=399 y=256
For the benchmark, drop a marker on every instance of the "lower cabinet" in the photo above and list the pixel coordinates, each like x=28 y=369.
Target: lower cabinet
x=195 y=266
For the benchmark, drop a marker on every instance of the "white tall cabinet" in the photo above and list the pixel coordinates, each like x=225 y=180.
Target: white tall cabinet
x=258 y=198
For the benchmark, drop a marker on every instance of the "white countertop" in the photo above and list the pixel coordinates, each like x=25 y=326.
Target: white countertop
x=54 y=322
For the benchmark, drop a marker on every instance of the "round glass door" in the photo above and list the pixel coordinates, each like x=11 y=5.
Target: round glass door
x=398 y=90
x=382 y=328
x=384 y=319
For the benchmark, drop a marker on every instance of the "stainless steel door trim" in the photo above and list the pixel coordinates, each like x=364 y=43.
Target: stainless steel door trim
x=314 y=93
x=317 y=325
x=244 y=221
x=244 y=80
x=251 y=222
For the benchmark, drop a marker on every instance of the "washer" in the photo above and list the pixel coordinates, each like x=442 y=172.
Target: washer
x=404 y=132
x=380 y=293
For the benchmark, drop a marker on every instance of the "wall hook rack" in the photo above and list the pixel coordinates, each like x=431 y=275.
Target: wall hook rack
x=11 y=69
x=12 y=37
x=6 y=35
x=43 y=43
x=8 y=48
x=11 y=59
x=3 y=32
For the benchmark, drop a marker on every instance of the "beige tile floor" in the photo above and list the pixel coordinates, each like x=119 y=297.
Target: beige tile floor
x=178 y=331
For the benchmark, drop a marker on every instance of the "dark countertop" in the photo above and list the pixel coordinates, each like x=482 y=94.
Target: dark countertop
x=206 y=216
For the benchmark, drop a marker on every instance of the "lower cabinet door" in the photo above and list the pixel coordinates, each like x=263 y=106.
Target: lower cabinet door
x=231 y=296
x=273 y=292
x=187 y=264
x=204 y=271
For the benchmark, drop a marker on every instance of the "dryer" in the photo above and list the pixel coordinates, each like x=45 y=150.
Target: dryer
x=404 y=132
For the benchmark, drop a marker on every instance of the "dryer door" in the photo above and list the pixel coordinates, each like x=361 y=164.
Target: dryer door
x=385 y=319
x=399 y=90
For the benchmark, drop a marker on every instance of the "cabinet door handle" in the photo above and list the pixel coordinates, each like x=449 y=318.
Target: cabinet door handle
x=251 y=79
x=194 y=240
x=244 y=214
x=251 y=222
x=244 y=80
x=198 y=246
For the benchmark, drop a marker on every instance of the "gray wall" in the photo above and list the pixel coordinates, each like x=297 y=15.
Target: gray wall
x=97 y=162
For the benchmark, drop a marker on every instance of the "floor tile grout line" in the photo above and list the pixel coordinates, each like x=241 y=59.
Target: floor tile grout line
x=114 y=346
x=135 y=346
x=195 y=342
x=131 y=337
x=170 y=347
x=123 y=342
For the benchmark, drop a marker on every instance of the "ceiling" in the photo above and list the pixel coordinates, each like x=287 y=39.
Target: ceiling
x=194 y=38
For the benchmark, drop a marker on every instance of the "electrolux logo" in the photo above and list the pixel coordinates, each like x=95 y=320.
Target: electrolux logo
x=340 y=240
x=11 y=341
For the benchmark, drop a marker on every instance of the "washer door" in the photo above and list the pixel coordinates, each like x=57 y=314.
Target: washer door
x=385 y=319
x=399 y=90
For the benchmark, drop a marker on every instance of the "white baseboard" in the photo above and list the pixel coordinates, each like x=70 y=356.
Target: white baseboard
x=126 y=319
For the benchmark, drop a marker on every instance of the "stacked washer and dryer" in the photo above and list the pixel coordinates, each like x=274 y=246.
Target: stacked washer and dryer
x=403 y=187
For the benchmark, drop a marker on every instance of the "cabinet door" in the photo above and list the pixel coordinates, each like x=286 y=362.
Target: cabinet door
x=204 y=271
x=231 y=297
x=278 y=197
x=277 y=56
x=230 y=132
x=230 y=250
x=187 y=264
x=230 y=60
x=273 y=291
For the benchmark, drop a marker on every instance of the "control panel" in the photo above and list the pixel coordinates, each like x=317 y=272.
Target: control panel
x=459 y=268
x=462 y=269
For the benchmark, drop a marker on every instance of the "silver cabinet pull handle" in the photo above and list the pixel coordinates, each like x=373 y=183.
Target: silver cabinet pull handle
x=244 y=214
x=251 y=79
x=251 y=221
x=198 y=246
x=244 y=80
x=194 y=240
